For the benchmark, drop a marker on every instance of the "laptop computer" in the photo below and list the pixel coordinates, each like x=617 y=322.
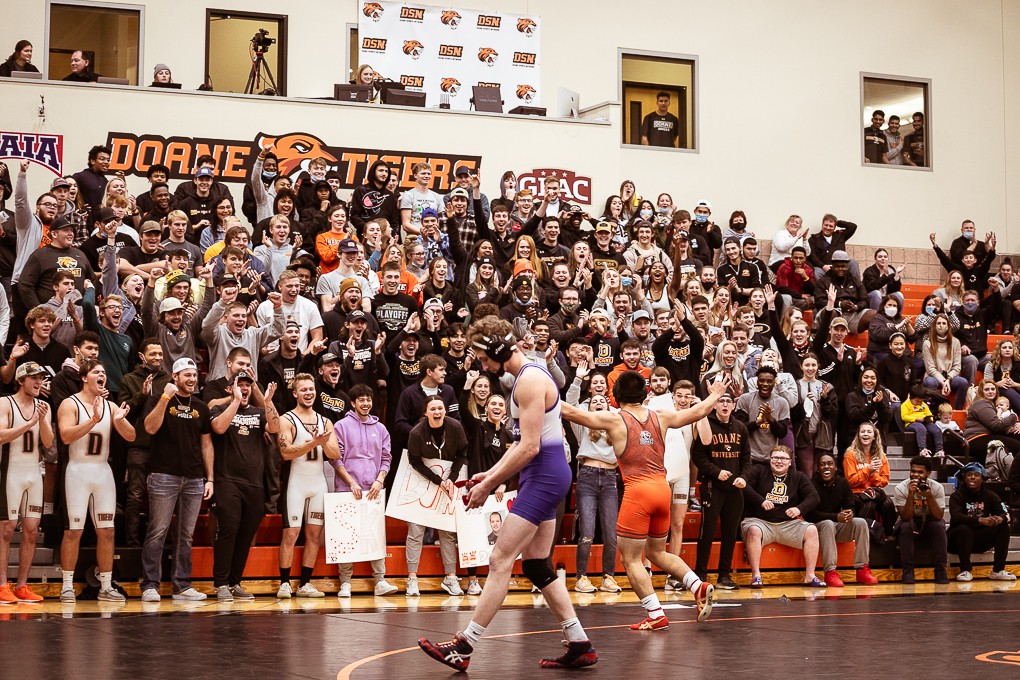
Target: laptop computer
x=105 y=80
x=343 y=92
x=167 y=86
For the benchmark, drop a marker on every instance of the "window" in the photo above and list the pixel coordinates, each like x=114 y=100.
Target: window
x=110 y=34
x=239 y=58
x=894 y=115
x=657 y=91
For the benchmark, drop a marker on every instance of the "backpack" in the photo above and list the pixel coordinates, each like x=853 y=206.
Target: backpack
x=998 y=461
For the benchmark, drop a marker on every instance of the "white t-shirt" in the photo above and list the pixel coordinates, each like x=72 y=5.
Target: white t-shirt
x=416 y=201
x=304 y=311
x=677 y=458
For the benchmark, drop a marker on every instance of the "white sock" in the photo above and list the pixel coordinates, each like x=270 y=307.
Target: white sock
x=104 y=580
x=47 y=508
x=692 y=581
x=68 y=578
x=572 y=630
x=473 y=633
x=652 y=606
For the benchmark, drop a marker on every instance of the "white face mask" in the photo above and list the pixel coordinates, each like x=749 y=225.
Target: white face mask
x=891 y=312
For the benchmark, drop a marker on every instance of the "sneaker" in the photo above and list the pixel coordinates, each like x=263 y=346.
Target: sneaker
x=535 y=589
x=455 y=653
x=865 y=576
x=240 y=593
x=658 y=623
x=110 y=595
x=1002 y=576
x=583 y=585
x=285 y=591
x=578 y=655
x=345 y=590
x=941 y=577
x=384 y=588
x=940 y=454
x=190 y=595
x=150 y=595
x=908 y=575
x=693 y=504
x=965 y=576
x=474 y=587
x=726 y=583
x=7 y=596
x=673 y=584
x=451 y=585
x=67 y=596
x=704 y=597
x=223 y=594
x=924 y=453
x=609 y=585
x=832 y=579
x=412 y=586
x=26 y=594
x=308 y=590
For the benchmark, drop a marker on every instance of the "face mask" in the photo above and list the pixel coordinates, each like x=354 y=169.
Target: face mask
x=268 y=176
x=891 y=312
x=969 y=235
x=738 y=226
x=701 y=219
x=568 y=307
x=663 y=210
x=970 y=307
x=930 y=309
x=646 y=214
x=626 y=281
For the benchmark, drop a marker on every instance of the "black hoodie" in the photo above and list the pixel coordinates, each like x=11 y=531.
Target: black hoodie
x=372 y=200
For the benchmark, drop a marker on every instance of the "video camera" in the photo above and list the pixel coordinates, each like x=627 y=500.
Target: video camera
x=261 y=41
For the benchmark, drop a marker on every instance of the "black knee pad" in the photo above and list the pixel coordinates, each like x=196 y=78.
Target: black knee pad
x=539 y=572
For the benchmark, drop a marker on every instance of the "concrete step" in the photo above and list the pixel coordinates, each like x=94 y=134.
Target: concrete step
x=37 y=573
x=16 y=539
x=43 y=556
x=985 y=558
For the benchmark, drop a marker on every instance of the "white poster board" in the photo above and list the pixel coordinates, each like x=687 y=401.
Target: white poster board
x=416 y=499
x=355 y=529
x=477 y=529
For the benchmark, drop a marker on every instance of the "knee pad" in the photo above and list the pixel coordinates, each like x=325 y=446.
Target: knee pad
x=539 y=572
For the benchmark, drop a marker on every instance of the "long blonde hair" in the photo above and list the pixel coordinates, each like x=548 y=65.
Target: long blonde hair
x=856 y=448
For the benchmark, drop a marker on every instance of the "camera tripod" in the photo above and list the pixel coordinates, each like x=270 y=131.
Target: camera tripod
x=258 y=65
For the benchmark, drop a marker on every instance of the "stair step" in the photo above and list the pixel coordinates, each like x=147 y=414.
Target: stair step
x=43 y=556
x=36 y=573
x=16 y=539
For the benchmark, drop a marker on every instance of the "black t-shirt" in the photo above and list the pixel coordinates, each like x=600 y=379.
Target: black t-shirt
x=240 y=453
x=393 y=311
x=136 y=256
x=197 y=209
x=660 y=130
x=916 y=148
x=96 y=244
x=331 y=403
x=51 y=357
x=875 y=144
x=176 y=448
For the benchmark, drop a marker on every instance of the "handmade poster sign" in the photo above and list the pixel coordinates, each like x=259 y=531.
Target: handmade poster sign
x=416 y=499
x=355 y=529
x=478 y=529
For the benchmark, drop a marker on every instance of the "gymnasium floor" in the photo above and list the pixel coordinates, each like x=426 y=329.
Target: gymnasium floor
x=952 y=631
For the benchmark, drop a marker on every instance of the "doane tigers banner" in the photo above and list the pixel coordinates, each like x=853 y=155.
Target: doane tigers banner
x=446 y=52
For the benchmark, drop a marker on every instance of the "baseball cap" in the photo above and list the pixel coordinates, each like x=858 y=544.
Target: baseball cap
x=169 y=304
x=328 y=358
x=429 y=212
x=224 y=279
x=839 y=321
x=703 y=204
x=598 y=312
x=184 y=364
x=432 y=302
x=462 y=170
x=640 y=314
x=683 y=234
x=175 y=277
x=347 y=246
x=106 y=214
x=59 y=182
x=839 y=256
x=204 y=172
x=603 y=226
x=356 y=315
x=64 y=222
x=291 y=321
x=28 y=368
x=150 y=225
x=245 y=375
x=459 y=191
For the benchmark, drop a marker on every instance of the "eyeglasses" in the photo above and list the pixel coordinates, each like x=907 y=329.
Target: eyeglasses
x=780 y=459
x=48 y=204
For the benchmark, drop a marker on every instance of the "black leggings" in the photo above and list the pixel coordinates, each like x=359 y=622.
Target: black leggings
x=718 y=504
x=966 y=539
x=239 y=510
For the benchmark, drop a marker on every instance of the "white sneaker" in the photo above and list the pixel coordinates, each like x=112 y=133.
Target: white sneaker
x=284 y=591
x=67 y=596
x=345 y=590
x=384 y=588
x=150 y=595
x=451 y=585
x=1001 y=576
x=412 y=587
x=110 y=595
x=189 y=595
x=965 y=576
x=308 y=590
x=474 y=587
x=223 y=594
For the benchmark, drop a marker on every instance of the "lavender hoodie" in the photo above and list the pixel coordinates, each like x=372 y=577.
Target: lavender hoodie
x=364 y=449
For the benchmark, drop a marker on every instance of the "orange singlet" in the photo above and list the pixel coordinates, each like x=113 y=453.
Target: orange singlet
x=647 y=496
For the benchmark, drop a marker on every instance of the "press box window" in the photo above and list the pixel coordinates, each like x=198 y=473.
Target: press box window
x=108 y=35
x=896 y=125
x=657 y=91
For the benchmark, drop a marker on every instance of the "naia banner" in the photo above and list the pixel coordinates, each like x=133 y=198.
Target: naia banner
x=446 y=52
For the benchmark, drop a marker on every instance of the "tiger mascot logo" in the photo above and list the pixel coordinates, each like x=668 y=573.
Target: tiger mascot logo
x=67 y=263
x=450 y=18
x=372 y=10
x=526 y=93
x=413 y=48
x=526 y=26
x=450 y=85
x=294 y=150
x=488 y=55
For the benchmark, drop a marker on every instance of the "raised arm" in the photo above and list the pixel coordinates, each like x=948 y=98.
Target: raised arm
x=668 y=419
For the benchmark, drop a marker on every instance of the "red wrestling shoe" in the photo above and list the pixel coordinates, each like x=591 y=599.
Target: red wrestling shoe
x=578 y=655
x=455 y=653
x=658 y=623
x=704 y=597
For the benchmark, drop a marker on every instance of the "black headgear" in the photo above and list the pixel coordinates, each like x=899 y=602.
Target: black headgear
x=630 y=388
x=498 y=348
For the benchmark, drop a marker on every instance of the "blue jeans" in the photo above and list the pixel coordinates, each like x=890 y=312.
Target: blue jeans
x=167 y=492
x=596 y=494
x=957 y=385
x=922 y=430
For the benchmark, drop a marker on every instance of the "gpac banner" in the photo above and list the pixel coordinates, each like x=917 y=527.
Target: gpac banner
x=135 y=154
x=445 y=52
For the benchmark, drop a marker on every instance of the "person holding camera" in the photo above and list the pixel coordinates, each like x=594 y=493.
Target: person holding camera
x=922 y=507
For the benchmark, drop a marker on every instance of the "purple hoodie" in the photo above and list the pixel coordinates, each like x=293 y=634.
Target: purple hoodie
x=364 y=449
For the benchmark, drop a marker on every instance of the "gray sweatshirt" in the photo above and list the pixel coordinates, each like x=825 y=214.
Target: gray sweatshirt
x=220 y=340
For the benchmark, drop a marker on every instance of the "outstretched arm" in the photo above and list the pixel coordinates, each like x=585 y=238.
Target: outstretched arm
x=668 y=419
